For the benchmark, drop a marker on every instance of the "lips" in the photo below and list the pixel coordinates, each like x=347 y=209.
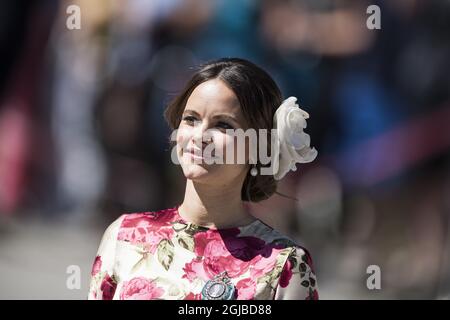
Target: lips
x=194 y=151
x=197 y=153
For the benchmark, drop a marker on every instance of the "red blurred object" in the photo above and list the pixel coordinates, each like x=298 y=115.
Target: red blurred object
x=14 y=146
x=16 y=112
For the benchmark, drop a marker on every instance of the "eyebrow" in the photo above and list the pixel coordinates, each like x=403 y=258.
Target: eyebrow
x=220 y=116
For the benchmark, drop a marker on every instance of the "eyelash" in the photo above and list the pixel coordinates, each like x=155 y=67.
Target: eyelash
x=189 y=119
x=223 y=125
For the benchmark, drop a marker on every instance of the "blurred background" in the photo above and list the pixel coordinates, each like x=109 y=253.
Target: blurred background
x=83 y=139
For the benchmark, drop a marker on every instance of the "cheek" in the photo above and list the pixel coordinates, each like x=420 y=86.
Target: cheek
x=232 y=143
x=183 y=136
x=222 y=143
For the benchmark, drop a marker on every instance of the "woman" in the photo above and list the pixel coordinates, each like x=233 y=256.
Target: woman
x=210 y=246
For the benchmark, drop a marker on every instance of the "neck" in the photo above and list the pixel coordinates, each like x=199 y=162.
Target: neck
x=214 y=206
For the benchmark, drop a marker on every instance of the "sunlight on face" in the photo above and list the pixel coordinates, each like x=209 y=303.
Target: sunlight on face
x=211 y=108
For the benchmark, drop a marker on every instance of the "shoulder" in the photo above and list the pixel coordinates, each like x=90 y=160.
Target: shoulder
x=297 y=279
x=137 y=227
x=290 y=249
x=300 y=256
x=133 y=219
x=279 y=239
x=112 y=230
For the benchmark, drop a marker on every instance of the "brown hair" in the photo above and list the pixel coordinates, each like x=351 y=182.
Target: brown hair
x=258 y=96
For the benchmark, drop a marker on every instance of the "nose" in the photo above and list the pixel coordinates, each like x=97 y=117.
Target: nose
x=201 y=136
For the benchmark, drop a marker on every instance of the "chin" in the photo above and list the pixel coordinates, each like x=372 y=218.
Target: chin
x=195 y=172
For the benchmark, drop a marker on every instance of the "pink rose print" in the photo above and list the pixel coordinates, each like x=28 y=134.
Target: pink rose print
x=223 y=251
x=96 y=266
x=195 y=269
x=246 y=248
x=140 y=288
x=162 y=217
x=193 y=296
x=286 y=274
x=153 y=238
x=265 y=265
x=147 y=228
x=218 y=259
x=202 y=239
x=108 y=288
x=246 y=289
x=226 y=251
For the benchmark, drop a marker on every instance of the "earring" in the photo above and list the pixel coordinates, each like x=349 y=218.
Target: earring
x=254 y=171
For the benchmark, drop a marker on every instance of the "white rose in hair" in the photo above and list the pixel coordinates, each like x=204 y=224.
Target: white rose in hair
x=289 y=122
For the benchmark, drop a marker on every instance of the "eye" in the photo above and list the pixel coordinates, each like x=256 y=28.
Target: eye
x=190 y=120
x=224 y=125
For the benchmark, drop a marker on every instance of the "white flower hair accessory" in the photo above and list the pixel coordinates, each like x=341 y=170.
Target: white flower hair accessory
x=294 y=144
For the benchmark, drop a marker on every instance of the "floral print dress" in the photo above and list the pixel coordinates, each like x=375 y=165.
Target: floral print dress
x=159 y=255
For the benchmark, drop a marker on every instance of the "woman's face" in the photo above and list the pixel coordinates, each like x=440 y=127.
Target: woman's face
x=211 y=109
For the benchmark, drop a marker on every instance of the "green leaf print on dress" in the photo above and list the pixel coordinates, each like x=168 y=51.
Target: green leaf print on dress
x=165 y=253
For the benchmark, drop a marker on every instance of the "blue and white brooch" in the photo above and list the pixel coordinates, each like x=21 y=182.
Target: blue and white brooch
x=219 y=288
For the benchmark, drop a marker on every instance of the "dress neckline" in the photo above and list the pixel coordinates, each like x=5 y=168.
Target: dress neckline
x=192 y=224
